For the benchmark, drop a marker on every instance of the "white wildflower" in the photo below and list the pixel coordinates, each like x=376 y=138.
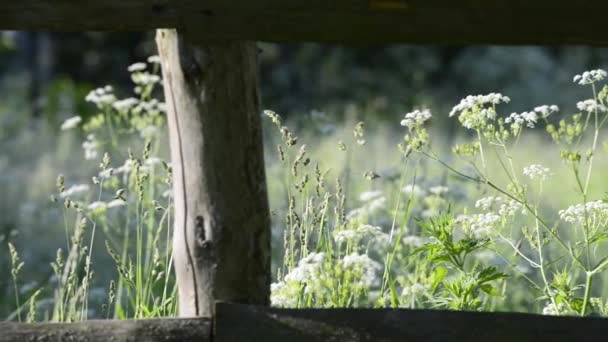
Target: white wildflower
x=307 y=269
x=472 y=102
x=116 y=203
x=151 y=161
x=284 y=296
x=376 y=204
x=155 y=59
x=90 y=148
x=75 y=190
x=97 y=206
x=589 y=77
x=552 y=310
x=355 y=234
x=148 y=132
x=517 y=120
x=101 y=96
x=364 y=265
x=137 y=67
x=144 y=78
x=416 y=118
x=487 y=203
x=369 y=195
x=71 y=123
x=413 y=190
x=438 y=190
x=591 y=106
x=415 y=290
x=510 y=208
x=125 y=168
x=596 y=211
x=126 y=104
x=537 y=171
x=546 y=110
x=482 y=224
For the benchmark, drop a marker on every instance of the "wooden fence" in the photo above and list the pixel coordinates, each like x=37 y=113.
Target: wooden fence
x=222 y=229
x=237 y=322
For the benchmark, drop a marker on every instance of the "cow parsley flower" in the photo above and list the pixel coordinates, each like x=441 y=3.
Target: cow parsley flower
x=155 y=59
x=487 y=203
x=591 y=106
x=413 y=190
x=596 y=211
x=510 y=208
x=438 y=190
x=546 y=110
x=71 y=123
x=101 y=97
x=416 y=118
x=474 y=111
x=75 y=190
x=97 y=206
x=480 y=225
x=363 y=265
x=135 y=67
x=358 y=233
x=126 y=104
x=369 y=195
x=519 y=119
x=589 y=77
x=537 y=171
x=90 y=147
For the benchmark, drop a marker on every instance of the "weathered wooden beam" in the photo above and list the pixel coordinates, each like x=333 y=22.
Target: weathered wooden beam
x=221 y=242
x=148 y=330
x=233 y=322
x=237 y=322
x=335 y=21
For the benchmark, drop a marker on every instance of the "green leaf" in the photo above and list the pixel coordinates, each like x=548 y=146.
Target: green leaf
x=490 y=290
x=440 y=274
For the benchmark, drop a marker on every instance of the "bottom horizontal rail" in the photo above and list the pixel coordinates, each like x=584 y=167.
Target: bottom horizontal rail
x=258 y=324
x=152 y=330
x=236 y=322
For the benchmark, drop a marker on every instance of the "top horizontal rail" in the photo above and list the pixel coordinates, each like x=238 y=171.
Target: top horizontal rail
x=541 y=22
x=235 y=322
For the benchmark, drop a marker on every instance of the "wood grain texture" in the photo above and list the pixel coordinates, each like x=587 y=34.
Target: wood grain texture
x=385 y=325
x=221 y=239
x=337 y=21
x=150 y=330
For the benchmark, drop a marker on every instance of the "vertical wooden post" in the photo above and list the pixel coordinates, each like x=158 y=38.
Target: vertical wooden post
x=222 y=222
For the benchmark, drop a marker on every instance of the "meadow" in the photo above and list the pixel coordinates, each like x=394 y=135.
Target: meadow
x=507 y=213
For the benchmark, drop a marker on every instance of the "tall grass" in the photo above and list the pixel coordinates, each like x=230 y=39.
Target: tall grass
x=362 y=217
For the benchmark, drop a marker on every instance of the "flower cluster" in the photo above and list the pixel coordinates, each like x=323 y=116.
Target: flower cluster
x=537 y=171
x=589 y=77
x=478 y=225
x=591 y=106
x=546 y=110
x=416 y=118
x=519 y=119
x=357 y=233
x=373 y=201
x=363 y=266
x=101 y=97
x=474 y=111
x=578 y=213
x=414 y=190
x=71 y=123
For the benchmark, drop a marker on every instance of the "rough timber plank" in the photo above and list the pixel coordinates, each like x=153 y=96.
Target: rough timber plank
x=149 y=330
x=233 y=322
x=336 y=21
